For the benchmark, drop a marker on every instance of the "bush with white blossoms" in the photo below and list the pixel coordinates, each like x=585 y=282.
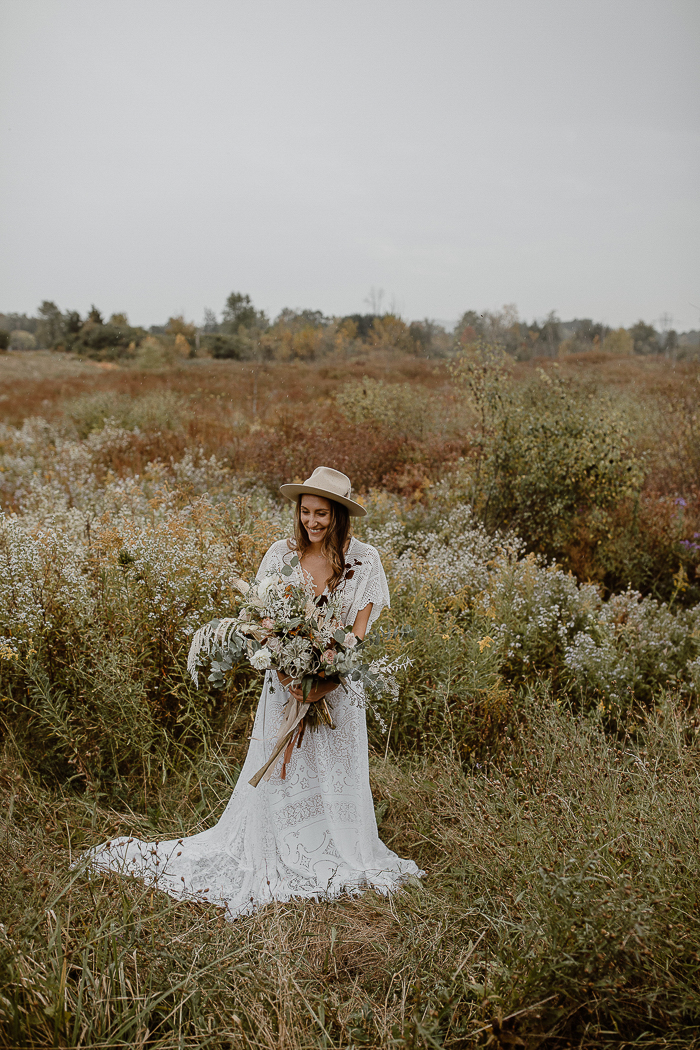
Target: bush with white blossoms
x=522 y=619
x=105 y=574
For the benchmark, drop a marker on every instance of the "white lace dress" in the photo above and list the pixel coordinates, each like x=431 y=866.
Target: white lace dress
x=312 y=835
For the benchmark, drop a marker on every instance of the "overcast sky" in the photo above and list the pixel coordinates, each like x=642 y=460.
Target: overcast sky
x=458 y=154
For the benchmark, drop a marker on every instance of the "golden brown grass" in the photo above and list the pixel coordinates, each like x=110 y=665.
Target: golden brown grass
x=559 y=909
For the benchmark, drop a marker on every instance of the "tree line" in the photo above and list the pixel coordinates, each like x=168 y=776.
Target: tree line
x=243 y=332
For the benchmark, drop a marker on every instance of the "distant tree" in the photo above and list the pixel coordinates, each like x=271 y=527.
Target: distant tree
x=469 y=328
x=72 y=322
x=221 y=345
x=645 y=337
x=670 y=345
x=179 y=326
x=374 y=300
x=502 y=328
x=583 y=335
x=422 y=335
x=588 y=331
x=210 y=323
x=20 y=339
x=550 y=333
x=95 y=317
x=49 y=331
x=363 y=323
x=18 y=322
x=430 y=338
x=119 y=320
x=619 y=342
x=296 y=320
x=239 y=312
x=4 y=340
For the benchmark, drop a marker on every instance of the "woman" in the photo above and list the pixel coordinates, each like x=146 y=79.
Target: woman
x=312 y=834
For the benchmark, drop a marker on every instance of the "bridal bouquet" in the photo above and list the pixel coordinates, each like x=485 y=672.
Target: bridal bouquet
x=282 y=626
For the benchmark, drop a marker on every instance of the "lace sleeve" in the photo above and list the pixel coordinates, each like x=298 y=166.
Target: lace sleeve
x=273 y=559
x=371 y=587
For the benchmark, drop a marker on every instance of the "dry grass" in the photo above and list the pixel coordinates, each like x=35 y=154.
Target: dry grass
x=560 y=906
x=38 y=382
x=559 y=909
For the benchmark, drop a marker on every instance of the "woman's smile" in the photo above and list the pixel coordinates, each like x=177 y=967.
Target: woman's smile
x=315 y=513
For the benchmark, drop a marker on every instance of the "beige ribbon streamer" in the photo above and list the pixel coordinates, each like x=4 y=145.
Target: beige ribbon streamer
x=294 y=712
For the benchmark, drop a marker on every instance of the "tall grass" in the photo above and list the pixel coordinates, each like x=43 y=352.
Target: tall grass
x=560 y=908
x=542 y=765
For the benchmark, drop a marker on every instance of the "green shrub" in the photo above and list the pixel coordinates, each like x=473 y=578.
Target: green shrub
x=400 y=409
x=150 y=412
x=21 y=340
x=543 y=452
x=224 y=346
x=106 y=342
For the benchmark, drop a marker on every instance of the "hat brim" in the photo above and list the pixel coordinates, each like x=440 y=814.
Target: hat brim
x=292 y=491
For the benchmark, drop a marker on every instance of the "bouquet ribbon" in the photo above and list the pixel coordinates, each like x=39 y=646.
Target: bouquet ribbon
x=293 y=723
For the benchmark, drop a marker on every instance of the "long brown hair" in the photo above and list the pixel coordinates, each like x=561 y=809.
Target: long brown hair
x=334 y=542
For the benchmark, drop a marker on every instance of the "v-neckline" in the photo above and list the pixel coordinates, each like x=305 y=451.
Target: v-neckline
x=325 y=589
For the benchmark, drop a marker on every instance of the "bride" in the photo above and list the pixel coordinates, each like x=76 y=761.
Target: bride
x=314 y=833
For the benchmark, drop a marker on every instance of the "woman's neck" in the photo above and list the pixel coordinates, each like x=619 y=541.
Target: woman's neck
x=315 y=548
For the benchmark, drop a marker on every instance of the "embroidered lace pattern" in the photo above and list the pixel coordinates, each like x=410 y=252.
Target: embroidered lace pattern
x=313 y=835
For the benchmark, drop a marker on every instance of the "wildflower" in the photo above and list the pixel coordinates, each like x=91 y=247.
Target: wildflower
x=261 y=660
x=485 y=643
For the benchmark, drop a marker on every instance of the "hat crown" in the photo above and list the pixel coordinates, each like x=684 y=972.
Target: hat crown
x=328 y=483
x=332 y=480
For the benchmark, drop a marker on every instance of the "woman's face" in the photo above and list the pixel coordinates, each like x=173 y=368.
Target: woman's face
x=315 y=513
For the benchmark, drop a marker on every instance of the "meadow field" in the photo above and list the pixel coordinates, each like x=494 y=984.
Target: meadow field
x=539 y=522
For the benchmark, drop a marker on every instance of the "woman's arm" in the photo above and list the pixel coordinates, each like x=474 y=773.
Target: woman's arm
x=359 y=628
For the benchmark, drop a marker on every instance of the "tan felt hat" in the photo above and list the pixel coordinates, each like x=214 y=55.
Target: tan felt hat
x=330 y=484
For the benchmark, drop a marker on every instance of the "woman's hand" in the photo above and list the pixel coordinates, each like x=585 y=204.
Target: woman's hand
x=318 y=691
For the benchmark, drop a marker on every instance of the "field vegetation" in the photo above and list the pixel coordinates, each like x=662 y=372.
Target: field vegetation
x=539 y=521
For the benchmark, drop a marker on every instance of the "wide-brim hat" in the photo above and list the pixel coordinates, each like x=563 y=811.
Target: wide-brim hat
x=330 y=484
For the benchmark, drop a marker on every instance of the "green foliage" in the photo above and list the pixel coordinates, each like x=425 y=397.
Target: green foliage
x=22 y=340
x=645 y=337
x=543 y=452
x=400 y=408
x=50 y=328
x=224 y=346
x=541 y=763
x=92 y=412
x=239 y=312
x=4 y=340
x=106 y=342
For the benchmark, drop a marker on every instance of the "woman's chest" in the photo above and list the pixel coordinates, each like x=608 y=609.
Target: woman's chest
x=320 y=571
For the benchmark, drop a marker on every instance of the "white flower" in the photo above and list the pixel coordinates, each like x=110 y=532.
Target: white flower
x=350 y=640
x=261 y=660
x=265 y=585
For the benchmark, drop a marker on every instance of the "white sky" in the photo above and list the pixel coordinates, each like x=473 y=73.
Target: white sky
x=459 y=154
